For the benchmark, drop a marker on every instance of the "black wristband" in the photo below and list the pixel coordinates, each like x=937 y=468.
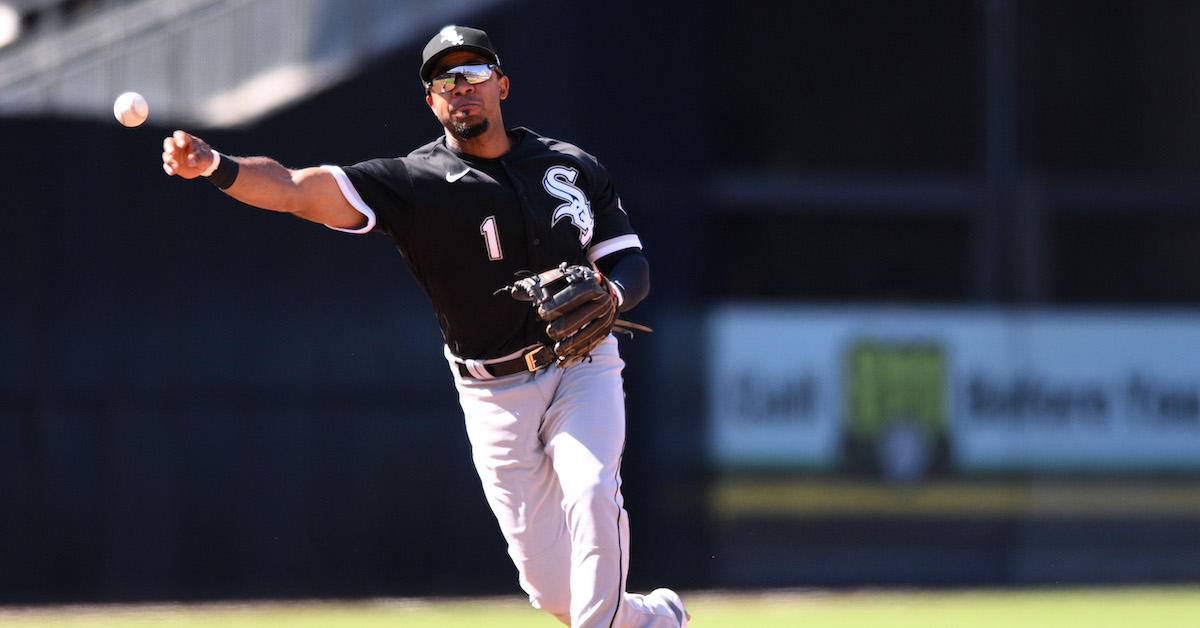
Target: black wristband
x=226 y=172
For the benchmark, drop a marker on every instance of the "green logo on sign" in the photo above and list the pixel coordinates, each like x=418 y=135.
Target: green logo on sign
x=895 y=408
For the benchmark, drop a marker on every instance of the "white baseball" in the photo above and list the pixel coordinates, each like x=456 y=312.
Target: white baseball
x=131 y=109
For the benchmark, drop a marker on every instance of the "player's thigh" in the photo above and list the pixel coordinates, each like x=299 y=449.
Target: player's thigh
x=585 y=425
x=502 y=420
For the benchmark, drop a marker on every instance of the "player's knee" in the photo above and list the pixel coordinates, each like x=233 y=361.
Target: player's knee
x=560 y=610
x=596 y=496
x=545 y=577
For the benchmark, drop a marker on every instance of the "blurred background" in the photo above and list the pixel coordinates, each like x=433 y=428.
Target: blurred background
x=925 y=296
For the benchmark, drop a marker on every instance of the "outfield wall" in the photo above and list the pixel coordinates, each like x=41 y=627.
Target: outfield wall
x=897 y=444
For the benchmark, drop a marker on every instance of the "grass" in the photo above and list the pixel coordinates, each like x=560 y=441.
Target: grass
x=1161 y=607
x=1058 y=608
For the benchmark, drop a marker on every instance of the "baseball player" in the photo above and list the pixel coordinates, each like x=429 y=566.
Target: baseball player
x=480 y=209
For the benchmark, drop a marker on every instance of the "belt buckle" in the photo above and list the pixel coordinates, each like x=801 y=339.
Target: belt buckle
x=531 y=360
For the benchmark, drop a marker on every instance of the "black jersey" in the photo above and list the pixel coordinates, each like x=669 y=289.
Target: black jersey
x=467 y=225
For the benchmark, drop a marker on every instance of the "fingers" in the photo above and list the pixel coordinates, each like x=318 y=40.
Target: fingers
x=168 y=155
x=183 y=140
x=183 y=154
x=174 y=149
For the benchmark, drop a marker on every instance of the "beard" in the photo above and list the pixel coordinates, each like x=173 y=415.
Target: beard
x=466 y=131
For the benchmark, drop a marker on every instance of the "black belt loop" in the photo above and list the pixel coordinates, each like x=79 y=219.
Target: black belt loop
x=533 y=360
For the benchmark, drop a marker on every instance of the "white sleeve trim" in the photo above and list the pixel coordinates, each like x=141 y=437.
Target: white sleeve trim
x=208 y=172
x=608 y=247
x=354 y=199
x=618 y=292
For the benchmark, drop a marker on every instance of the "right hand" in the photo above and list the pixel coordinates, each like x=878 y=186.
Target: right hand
x=186 y=155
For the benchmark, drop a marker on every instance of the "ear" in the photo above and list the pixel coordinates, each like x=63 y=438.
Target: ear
x=429 y=99
x=502 y=86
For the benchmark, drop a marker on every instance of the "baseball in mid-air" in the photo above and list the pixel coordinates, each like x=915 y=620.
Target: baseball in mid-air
x=131 y=109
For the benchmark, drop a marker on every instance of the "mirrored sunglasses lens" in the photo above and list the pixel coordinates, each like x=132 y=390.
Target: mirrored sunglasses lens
x=477 y=74
x=472 y=74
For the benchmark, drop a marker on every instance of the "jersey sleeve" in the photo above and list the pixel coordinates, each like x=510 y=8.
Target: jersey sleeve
x=614 y=232
x=355 y=200
x=379 y=190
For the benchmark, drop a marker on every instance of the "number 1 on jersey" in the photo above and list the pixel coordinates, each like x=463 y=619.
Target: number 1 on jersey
x=491 y=238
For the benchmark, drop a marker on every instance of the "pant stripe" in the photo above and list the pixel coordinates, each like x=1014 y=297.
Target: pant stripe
x=621 y=542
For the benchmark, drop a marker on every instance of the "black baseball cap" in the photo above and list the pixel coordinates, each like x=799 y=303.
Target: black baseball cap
x=453 y=39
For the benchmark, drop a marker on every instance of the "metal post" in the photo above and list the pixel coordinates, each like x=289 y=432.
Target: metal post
x=1000 y=155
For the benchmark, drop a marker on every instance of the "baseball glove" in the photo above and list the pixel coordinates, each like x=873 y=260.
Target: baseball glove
x=578 y=305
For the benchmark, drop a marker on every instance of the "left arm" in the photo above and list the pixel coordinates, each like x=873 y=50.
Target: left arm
x=630 y=271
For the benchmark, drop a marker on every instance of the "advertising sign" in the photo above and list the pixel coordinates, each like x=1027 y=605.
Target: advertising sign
x=902 y=391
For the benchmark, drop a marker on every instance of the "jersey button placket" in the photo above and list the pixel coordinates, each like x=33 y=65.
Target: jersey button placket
x=523 y=198
x=528 y=212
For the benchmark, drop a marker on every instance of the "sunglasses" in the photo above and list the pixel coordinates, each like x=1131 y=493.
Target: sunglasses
x=472 y=73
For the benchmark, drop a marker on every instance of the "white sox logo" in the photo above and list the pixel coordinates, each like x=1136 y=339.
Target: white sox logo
x=560 y=183
x=451 y=36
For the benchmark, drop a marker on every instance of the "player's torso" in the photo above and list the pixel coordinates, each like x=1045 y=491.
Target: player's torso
x=478 y=222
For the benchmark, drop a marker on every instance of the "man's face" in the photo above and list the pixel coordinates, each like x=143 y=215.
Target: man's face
x=468 y=111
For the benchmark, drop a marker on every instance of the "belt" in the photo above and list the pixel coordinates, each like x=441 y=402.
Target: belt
x=535 y=359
